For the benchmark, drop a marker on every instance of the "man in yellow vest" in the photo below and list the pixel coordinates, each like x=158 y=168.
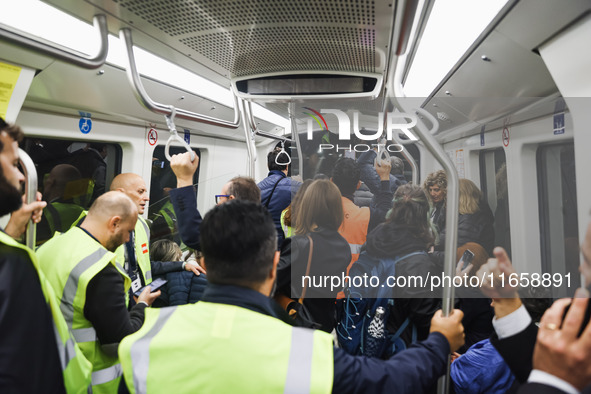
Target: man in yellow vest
x=38 y=352
x=238 y=340
x=90 y=285
x=134 y=254
x=358 y=222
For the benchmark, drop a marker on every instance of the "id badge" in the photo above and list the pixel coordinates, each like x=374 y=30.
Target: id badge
x=136 y=284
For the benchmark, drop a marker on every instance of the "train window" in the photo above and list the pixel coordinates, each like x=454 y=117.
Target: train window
x=161 y=212
x=493 y=183
x=559 y=232
x=71 y=175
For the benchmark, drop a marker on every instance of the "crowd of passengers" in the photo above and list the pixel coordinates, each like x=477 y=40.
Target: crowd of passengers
x=237 y=313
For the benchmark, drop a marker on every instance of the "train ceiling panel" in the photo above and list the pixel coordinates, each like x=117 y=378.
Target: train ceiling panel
x=239 y=38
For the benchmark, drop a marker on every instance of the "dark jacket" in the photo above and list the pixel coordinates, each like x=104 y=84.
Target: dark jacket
x=181 y=288
x=184 y=201
x=476 y=227
x=276 y=199
x=362 y=196
x=388 y=241
x=330 y=257
x=29 y=360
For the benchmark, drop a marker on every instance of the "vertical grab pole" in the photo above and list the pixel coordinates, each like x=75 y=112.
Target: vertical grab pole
x=295 y=136
x=248 y=129
x=30 y=193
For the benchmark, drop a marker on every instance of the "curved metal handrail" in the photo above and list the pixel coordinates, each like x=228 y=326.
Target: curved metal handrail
x=24 y=40
x=30 y=193
x=148 y=103
x=174 y=136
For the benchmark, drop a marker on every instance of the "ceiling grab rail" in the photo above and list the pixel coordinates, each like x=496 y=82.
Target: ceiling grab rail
x=22 y=39
x=30 y=174
x=174 y=136
x=248 y=136
x=145 y=100
x=262 y=133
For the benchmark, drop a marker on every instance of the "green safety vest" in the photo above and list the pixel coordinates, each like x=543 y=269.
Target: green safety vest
x=169 y=215
x=61 y=216
x=76 y=368
x=142 y=251
x=69 y=262
x=218 y=348
x=287 y=230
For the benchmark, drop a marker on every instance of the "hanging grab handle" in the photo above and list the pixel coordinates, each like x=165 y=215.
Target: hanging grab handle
x=283 y=152
x=174 y=136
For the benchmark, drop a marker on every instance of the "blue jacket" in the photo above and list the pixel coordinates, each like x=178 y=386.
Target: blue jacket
x=481 y=370
x=188 y=217
x=182 y=288
x=280 y=199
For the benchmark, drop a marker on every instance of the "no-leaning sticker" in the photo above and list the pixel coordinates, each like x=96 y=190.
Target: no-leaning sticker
x=506 y=136
x=152 y=137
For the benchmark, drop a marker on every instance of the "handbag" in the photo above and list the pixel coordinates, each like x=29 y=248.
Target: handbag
x=296 y=309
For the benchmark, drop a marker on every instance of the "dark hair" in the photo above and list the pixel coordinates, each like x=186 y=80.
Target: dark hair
x=272 y=156
x=397 y=165
x=411 y=210
x=346 y=175
x=536 y=300
x=320 y=206
x=238 y=242
x=245 y=188
x=13 y=132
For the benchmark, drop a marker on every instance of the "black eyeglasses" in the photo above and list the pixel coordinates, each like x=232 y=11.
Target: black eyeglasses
x=217 y=197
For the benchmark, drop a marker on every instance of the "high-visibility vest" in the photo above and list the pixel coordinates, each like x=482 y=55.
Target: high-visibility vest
x=218 y=348
x=354 y=227
x=75 y=367
x=142 y=251
x=169 y=215
x=60 y=216
x=287 y=230
x=70 y=261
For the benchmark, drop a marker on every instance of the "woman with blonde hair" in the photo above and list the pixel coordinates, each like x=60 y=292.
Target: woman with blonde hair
x=316 y=219
x=475 y=223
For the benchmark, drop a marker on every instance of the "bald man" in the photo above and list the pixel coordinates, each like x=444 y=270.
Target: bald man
x=81 y=266
x=134 y=255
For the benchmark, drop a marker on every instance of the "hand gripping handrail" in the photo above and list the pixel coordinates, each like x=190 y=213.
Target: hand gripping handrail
x=30 y=193
x=21 y=39
x=174 y=136
x=148 y=103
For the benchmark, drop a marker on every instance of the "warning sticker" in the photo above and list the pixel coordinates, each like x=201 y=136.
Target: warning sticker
x=506 y=136
x=152 y=137
x=8 y=76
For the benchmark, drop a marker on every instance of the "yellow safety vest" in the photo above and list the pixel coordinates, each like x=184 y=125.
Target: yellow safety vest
x=76 y=368
x=169 y=215
x=70 y=261
x=228 y=349
x=287 y=230
x=142 y=251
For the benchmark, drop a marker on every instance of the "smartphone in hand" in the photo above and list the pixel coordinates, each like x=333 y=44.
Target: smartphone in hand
x=467 y=258
x=155 y=285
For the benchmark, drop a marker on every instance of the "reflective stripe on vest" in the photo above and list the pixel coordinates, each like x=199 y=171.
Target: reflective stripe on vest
x=71 y=287
x=84 y=334
x=140 y=351
x=302 y=349
x=106 y=375
x=260 y=353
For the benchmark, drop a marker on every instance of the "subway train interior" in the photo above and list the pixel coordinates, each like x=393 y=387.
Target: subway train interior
x=500 y=90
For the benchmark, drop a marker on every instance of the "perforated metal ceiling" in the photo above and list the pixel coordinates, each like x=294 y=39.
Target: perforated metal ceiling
x=265 y=36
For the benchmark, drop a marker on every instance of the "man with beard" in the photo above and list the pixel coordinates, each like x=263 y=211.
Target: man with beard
x=82 y=269
x=27 y=336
